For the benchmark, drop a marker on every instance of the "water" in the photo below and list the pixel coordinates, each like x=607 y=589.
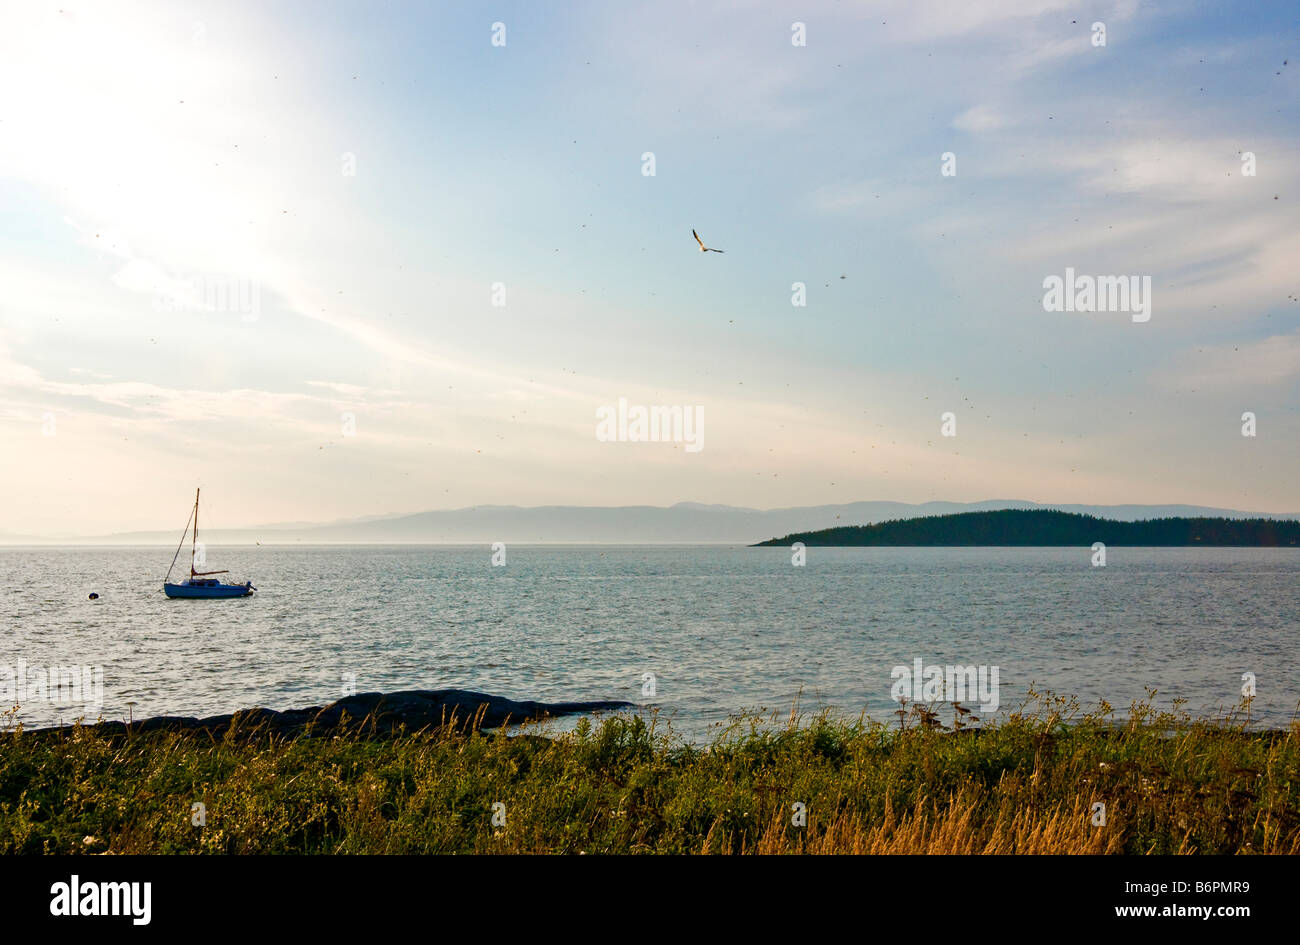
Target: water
x=723 y=629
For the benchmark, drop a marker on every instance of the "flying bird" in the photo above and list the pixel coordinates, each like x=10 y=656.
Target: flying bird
x=703 y=248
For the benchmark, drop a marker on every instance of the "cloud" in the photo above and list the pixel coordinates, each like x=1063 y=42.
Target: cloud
x=979 y=119
x=1260 y=366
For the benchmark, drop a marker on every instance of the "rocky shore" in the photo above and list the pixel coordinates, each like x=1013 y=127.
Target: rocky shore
x=375 y=712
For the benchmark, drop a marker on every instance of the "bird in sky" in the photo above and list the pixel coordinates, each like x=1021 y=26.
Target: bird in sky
x=703 y=248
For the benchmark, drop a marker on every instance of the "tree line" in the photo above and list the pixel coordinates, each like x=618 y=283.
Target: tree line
x=1049 y=527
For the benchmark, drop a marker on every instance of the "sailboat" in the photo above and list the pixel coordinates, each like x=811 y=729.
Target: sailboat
x=201 y=583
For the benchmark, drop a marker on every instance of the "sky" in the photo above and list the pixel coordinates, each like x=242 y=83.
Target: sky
x=334 y=260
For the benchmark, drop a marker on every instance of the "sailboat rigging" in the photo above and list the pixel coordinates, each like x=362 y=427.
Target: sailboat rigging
x=200 y=584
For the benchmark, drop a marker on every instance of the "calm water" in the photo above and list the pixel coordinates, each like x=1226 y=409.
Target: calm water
x=723 y=630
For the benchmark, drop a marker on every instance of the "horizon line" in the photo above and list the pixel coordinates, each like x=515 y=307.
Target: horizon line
x=66 y=540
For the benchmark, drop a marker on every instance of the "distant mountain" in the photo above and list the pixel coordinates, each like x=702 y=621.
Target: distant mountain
x=684 y=523
x=1044 y=527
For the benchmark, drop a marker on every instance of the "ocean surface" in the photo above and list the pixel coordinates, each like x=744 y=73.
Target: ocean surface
x=723 y=630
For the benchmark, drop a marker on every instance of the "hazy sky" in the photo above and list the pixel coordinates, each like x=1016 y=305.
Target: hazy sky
x=367 y=172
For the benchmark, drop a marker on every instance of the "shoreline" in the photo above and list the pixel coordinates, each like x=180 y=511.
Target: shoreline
x=375 y=713
x=1055 y=781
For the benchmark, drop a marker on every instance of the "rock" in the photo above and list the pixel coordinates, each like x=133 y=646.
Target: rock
x=372 y=712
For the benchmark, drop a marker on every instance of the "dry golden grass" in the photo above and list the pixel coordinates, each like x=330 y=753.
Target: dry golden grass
x=953 y=826
x=1170 y=785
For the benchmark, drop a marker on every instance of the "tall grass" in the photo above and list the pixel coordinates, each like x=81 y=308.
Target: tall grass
x=1170 y=784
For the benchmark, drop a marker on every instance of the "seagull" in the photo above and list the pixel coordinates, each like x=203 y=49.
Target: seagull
x=703 y=248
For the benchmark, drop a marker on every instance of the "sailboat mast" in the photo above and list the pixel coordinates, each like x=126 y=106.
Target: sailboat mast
x=195 y=540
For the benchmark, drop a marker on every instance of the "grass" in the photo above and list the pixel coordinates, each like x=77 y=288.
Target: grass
x=1170 y=784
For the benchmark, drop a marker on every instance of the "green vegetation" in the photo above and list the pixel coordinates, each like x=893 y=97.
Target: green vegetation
x=1044 y=527
x=1028 y=785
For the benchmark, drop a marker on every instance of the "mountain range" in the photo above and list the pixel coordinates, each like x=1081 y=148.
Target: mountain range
x=683 y=523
